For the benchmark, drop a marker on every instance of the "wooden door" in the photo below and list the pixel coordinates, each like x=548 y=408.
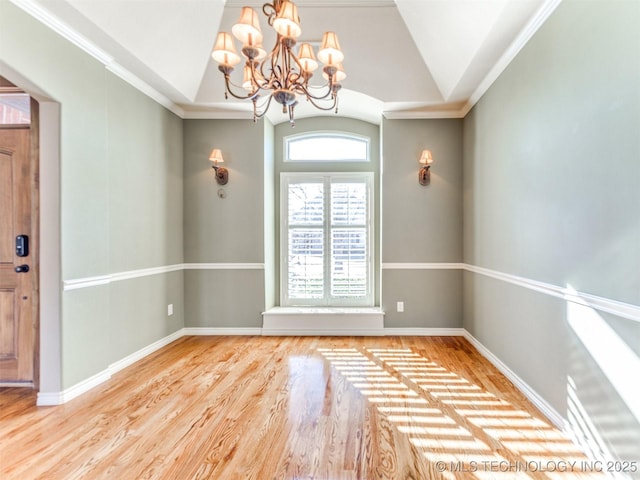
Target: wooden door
x=17 y=289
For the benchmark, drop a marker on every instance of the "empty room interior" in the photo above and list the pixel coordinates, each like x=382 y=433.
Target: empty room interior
x=233 y=246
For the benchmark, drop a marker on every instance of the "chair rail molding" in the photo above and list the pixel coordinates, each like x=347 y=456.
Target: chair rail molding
x=86 y=282
x=620 y=309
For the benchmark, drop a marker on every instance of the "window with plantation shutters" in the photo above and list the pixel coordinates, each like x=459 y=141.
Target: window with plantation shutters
x=326 y=239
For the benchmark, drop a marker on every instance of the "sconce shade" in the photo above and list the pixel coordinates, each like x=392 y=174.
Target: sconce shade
x=330 y=52
x=221 y=173
x=216 y=156
x=247 y=30
x=426 y=158
x=224 y=52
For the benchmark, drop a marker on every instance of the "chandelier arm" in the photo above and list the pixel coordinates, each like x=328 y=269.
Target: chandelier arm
x=300 y=69
x=275 y=53
x=277 y=56
x=228 y=84
x=266 y=105
x=289 y=78
x=270 y=10
x=276 y=78
x=257 y=85
x=257 y=68
x=318 y=87
x=305 y=91
x=320 y=107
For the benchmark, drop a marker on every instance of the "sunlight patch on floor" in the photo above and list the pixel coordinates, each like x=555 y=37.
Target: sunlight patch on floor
x=461 y=428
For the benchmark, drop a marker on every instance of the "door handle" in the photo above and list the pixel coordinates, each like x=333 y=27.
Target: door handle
x=22 y=268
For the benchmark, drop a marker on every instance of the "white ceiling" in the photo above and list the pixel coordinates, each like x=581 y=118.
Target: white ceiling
x=403 y=58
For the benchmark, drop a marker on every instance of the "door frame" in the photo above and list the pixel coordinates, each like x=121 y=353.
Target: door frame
x=34 y=139
x=32 y=321
x=49 y=321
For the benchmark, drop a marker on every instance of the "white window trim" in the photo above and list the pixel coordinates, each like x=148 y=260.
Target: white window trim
x=285 y=179
x=326 y=133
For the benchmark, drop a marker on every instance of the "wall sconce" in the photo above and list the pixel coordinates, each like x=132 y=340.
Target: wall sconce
x=222 y=174
x=424 y=175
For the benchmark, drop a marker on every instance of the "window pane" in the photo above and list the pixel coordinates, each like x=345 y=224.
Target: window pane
x=349 y=262
x=327 y=148
x=327 y=242
x=306 y=203
x=15 y=109
x=348 y=203
x=305 y=259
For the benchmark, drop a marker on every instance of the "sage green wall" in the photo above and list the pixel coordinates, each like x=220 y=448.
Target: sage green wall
x=422 y=224
x=145 y=218
x=120 y=153
x=551 y=194
x=329 y=124
x=270 y=258
x=224 y=230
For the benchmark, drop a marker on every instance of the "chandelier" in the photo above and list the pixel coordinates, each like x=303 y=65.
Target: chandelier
x=282 y=74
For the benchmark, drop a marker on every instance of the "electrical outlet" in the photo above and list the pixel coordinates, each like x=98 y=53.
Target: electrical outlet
x=170 y=309
x=400 y=307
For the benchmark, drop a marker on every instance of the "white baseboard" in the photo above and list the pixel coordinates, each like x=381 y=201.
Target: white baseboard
x=58 y=398
x=143 y=352
x=539 y=402
x=424 y=332
x=205 y=331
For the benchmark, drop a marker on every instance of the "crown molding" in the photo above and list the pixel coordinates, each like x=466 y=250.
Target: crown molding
x=62 y=29
x=318 y=3
x=541 y=16
x=58 y=26
x=418 y=115
x=389 y=115
x=217 y=115
x=145 y=88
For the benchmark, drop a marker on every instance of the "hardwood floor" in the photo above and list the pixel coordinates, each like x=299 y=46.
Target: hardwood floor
x=322 y=408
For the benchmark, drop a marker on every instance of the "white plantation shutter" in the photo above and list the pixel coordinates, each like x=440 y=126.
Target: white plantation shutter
x=326 y=239
x=305 y=252
x=349 y=252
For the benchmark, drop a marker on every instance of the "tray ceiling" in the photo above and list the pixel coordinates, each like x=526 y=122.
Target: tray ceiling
x=403 y=58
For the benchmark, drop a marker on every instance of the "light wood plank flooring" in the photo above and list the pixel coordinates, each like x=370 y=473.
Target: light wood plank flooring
x=321 y=408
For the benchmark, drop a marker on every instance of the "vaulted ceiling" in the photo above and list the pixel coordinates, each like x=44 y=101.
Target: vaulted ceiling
x=403 y=58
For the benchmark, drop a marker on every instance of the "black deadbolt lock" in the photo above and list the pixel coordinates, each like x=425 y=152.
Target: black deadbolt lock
x=22 y=245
